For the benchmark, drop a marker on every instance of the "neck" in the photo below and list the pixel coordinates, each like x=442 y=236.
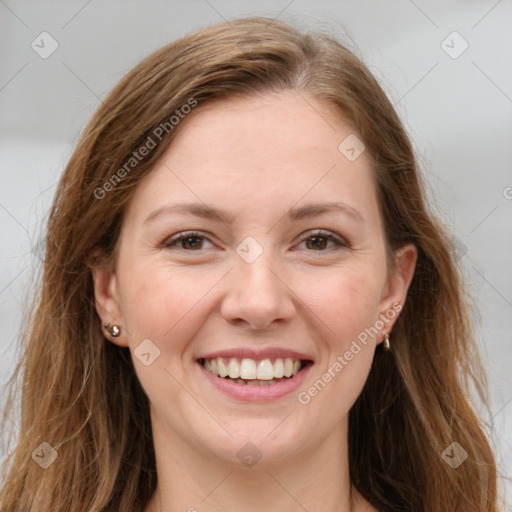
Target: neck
x=193 y=481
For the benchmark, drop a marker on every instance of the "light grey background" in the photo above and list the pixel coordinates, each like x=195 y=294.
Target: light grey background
x=458 y=112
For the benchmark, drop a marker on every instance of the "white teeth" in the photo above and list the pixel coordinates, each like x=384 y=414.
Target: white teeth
x=266 y=370
x=223 y=369
x=288 y=367
x=278 y=369
x=263 y=372
x=233 y=368
x=248 y=369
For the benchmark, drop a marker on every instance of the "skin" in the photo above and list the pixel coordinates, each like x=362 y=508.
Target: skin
x=257 y=158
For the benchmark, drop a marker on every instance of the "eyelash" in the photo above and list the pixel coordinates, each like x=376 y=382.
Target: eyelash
x=176 y=239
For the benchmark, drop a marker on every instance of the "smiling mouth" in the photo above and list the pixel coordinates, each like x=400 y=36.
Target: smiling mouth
x=252 y=372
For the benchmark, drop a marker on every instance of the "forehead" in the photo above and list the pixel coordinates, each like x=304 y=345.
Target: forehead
x=263 y=151
x=266 y=126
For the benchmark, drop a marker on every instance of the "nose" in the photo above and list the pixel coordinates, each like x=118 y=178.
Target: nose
x=257 y=295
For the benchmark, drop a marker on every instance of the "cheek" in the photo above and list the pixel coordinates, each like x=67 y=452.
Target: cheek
x=163 y=305
x=160 y=305
x=346 y=302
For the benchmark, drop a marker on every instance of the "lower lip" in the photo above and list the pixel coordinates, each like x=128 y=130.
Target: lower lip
x=256 y=393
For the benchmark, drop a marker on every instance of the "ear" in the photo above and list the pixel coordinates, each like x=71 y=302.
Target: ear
x=106 y=294
x=395 y=291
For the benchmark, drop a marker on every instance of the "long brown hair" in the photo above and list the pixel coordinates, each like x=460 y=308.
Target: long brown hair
x=79 y=392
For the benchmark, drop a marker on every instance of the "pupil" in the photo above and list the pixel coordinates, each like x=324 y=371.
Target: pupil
x=188 y=239
x=316 y=239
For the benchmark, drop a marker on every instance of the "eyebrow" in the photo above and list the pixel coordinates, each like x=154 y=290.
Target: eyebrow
x=297 y=213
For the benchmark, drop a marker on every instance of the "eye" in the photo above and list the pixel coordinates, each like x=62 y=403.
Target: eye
x=189 y=241
x=318 y=240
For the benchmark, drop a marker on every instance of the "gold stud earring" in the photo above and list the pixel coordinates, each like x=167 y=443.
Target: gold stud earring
x=114 y=331
x=386 y=342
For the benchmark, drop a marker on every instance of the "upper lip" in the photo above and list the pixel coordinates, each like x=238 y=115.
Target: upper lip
x=257 y=354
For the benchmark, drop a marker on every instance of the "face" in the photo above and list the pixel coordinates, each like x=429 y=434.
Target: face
x=247 y=270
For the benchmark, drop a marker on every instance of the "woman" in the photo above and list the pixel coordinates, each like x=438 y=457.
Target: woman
x=245 y=303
